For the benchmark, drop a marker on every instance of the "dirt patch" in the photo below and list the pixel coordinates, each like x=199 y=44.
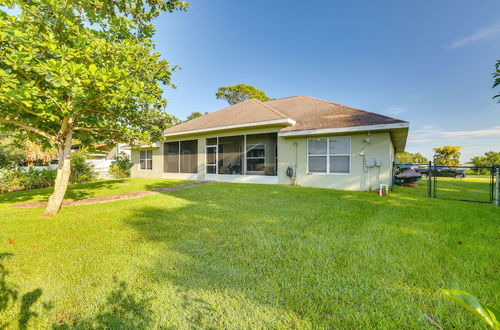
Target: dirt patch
x=117 y=197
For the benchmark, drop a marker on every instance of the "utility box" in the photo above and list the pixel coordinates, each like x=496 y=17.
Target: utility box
x=370 y=162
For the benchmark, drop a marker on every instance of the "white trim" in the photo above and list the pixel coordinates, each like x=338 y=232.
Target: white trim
x=328 y=155
x=346 y=129
x=287 y=121
x=262 y=179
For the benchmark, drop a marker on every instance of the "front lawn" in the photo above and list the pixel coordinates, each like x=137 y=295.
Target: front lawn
x=90 y=189
x=248 y=256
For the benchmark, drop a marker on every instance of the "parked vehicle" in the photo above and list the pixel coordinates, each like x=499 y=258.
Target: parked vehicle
x=442 y=171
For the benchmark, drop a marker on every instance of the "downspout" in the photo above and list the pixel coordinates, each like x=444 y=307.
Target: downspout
x=294 y=179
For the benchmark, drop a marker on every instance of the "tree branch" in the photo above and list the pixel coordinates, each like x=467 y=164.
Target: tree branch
x=29 y=128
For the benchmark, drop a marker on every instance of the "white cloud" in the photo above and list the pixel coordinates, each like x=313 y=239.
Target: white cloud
x=432 y=133
x=483 y=34
x=395 y=110
x=474 y=142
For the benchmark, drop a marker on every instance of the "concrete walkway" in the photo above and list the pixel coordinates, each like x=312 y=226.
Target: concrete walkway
x=110 y=198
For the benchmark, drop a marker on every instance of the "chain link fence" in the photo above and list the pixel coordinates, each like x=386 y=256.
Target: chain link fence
x=462 y=182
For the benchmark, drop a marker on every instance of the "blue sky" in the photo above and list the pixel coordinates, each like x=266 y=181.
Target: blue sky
x=429 y=62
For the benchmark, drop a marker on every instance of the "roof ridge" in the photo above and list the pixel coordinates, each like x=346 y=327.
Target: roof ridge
x=272 y=109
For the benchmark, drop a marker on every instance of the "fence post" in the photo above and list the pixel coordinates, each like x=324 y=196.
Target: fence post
x=429 y=183
x=498 y=185
x=393 y=173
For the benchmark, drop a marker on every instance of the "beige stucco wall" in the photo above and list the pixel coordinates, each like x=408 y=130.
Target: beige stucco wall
x=288 y=147
x=379 y=148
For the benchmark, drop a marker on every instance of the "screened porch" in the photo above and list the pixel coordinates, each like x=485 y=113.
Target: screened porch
x=252 y=154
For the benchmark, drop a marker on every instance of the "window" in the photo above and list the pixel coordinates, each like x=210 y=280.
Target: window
x=146 y=159
x=318 y=155
x=181 y=157
x=189 y=156
x=256 y=157
x=329 y=155
x=171 y=160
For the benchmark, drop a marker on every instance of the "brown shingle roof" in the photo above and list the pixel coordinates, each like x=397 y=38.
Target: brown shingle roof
x=250 y=111
x=312 y=113
x=309 y=113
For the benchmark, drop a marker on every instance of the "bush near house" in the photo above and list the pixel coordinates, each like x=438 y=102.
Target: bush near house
x=120 y=167
x=81 y=171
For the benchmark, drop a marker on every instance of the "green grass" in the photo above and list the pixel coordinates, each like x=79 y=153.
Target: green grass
x=475 y=188
x=249 y=256
x=91 y=189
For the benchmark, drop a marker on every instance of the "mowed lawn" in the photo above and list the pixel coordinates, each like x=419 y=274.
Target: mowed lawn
x=246 y=256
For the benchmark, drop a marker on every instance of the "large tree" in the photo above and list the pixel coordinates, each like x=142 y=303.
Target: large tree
x=408 y=157
x=82 y=69
x=239 y=93
x=447 y=155
x=496 y=77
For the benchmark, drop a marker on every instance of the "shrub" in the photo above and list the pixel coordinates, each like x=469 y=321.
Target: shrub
x=19 y=179
x=81 y=171
x=120 y=167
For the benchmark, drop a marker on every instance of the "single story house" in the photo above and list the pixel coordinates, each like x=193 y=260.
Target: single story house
x=296 y=140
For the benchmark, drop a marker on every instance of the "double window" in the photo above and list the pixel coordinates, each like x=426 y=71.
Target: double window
x=329 y=155
x=146 y=159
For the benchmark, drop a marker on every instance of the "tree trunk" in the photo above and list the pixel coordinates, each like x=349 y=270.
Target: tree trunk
x=62 y=178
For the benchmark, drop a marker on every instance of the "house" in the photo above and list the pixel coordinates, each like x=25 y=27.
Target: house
x=296 y=140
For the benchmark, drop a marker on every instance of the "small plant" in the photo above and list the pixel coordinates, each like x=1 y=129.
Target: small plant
x=81 y=171
x=120 y=167
x=487 y=314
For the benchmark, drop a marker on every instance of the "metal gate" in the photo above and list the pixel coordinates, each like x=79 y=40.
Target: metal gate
x=461 y=182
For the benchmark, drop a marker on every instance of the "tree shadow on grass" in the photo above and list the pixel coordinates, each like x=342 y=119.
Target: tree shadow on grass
x=79 y=191
x=122 y=310
x=75 y=192
x=9 y=297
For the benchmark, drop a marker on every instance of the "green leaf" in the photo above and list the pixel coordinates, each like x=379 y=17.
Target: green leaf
x=472 y=304
x=92 y=69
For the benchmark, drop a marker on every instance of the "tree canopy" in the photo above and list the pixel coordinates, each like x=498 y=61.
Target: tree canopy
x=194 y=115
x=408 y=157
x=239 y=93
x=447 y=155
x=490 y=158
x=496 y=77
x=82 y=69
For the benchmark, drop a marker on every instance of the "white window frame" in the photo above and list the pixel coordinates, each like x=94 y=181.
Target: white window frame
x=246 y=158
x=328 y=155
x=146 y=159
